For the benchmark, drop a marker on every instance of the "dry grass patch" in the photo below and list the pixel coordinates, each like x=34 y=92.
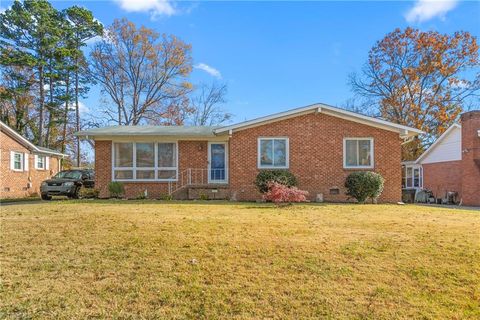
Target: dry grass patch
x=67 y=260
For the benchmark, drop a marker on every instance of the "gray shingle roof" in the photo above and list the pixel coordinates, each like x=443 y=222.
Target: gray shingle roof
x=190 y=131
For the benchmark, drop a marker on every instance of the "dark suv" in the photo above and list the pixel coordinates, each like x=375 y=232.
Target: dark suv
x=67 y=183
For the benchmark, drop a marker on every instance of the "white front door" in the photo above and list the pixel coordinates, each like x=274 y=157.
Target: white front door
x=217 y=162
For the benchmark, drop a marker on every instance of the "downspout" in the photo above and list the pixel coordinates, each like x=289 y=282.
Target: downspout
x=407 y=140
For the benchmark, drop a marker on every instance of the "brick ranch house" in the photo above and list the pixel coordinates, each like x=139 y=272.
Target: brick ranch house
x=319 y=144
x=23 y=165
x=452 y=163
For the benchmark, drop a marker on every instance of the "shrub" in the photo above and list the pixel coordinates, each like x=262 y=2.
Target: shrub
x=166 y=197
x=284 y=177
x=203 y=196
x=279 y=193
x=116 y=189
x=141 y=196
x=88 y=193
x=363 y=185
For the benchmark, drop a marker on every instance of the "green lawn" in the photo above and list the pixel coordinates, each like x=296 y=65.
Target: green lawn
x=131 y=260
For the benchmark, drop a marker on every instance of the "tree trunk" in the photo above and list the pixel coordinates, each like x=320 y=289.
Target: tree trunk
x=41 y=106
x=77 y=109
x=65 y=116
x=50 y=108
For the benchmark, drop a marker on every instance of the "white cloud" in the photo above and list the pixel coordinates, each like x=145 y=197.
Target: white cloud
x=82 y=108
x=93 y=40
x=424 y=10
x=107 y=36
x=154 y=7
x=210 y=70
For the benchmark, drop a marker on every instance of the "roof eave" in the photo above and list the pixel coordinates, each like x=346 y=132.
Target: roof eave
x=27 y=144
x=52 y=153
x=107 y=136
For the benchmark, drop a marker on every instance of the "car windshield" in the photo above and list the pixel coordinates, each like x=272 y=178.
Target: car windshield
x=68 y=175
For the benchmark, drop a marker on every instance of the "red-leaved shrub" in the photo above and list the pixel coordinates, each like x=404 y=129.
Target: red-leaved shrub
x=279 y=193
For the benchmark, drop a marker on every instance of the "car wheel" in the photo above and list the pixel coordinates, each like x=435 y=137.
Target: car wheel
x=46 y=197
x=75 y=194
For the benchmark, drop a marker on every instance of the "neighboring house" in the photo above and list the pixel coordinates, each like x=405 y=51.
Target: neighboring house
x=452 y=163
x=23 y=165
x=319 y=144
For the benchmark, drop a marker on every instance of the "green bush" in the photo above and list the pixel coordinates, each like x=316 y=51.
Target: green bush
x=116 y=189
x=88 y=193
x=363 y=185
x=166 y=197
x=141 y=196
x=284 y=177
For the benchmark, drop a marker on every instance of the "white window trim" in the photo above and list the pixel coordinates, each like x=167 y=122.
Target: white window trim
x=287 y=156
x=36 y=157
x=404 y=175
x=372 y=164
x=22 y=161
x=156 y=168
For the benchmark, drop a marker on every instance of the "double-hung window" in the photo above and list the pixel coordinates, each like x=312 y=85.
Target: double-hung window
x=40 y=162
x=358 y=153
x=123 y=161
x=273 y=153
x=17 y=161
x=145 y=161
x=167 y=161
x=412 y=177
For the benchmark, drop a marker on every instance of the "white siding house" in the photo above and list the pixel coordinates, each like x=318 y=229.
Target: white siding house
x=448 y=147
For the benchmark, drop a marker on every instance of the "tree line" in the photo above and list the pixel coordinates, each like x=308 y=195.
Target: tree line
x=422 y=79
x=45 y=72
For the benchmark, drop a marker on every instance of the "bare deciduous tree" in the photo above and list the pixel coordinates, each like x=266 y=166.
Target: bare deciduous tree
x=208 y=103
x=144 y=74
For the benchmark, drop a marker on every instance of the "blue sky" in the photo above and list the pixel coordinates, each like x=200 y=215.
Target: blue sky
x=279 y=55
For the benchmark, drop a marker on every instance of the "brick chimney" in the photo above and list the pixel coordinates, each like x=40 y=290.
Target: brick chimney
x=471 y=158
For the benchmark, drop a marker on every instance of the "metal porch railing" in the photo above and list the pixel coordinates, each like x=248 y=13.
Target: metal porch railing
x=197 y=177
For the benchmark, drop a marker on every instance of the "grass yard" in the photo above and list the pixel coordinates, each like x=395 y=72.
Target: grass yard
x=134 y=260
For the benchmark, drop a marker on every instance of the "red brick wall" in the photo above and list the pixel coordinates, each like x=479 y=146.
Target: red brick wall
x=471 y=158
x=103 y=166
x=443 y=176
x=15 y=184
x=316 y=155
x=192 y=154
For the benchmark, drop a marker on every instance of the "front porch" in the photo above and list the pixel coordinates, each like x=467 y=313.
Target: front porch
x=200 y=184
